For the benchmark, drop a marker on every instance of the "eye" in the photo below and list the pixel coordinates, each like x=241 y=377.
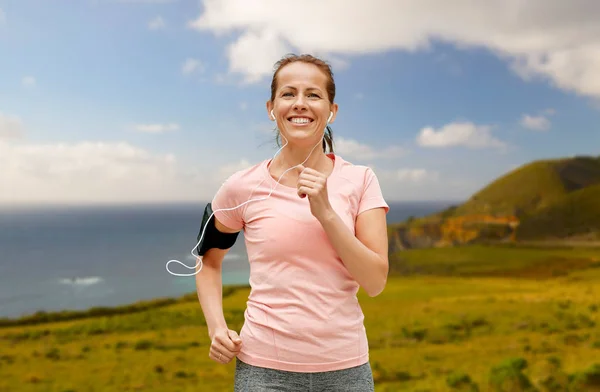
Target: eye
x=314 y=95
x=286 y=94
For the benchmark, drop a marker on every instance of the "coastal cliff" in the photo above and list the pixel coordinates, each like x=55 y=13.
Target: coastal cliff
x=543 y=201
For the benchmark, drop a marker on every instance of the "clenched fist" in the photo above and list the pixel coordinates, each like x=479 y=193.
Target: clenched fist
x=313 y=184
x=225 y=345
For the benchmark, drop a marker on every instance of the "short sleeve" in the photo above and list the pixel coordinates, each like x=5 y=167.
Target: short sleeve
x=226 y=204
x=371 y=197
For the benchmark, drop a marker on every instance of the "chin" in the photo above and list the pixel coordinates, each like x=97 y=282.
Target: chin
x=303 y=136
x=309 y=129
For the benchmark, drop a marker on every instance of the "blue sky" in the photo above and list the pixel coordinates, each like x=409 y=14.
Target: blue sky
x=160 y=100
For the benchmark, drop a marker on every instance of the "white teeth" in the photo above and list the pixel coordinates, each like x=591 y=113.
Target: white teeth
x=298 y=120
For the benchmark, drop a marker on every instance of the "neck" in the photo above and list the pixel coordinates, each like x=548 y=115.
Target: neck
x=293 y=155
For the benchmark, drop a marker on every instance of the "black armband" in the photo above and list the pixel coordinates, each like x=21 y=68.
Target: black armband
x=213 y=238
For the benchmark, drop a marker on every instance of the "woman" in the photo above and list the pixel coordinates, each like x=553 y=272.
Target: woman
x=312 y=240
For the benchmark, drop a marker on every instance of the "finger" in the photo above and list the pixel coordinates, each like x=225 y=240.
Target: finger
x=316 y=187
x=225 y=353
x=219 y=357
x=230 y=347
x=235 y=338
x=224 y=343
x=305 y=191
x=215 y=355
x=310 y=176
x=306 y=183
x=316 y=179
x=308 y=171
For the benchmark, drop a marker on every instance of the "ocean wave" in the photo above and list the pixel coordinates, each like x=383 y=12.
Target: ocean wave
x=82 y=281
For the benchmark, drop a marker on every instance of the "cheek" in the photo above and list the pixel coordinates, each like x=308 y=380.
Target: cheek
x=318 y=108
x=283 y=107
x=322 y=108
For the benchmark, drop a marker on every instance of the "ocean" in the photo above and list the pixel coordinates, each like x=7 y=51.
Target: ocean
x=73 y=258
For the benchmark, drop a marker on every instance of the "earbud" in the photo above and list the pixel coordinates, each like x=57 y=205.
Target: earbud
x=272 y=115
x=199 y=259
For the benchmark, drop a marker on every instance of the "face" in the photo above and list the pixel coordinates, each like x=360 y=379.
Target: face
x=301 y=105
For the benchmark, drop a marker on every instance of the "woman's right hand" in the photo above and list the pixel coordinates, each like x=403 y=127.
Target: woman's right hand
x=225 y=345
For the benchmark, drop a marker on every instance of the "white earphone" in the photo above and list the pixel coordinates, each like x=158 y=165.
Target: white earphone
x=329 y=119
x=198 y=266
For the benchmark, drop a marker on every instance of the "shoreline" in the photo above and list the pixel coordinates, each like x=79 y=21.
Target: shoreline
x=44 y=317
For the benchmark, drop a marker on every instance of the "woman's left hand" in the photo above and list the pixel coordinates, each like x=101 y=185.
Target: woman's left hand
x=313 y=184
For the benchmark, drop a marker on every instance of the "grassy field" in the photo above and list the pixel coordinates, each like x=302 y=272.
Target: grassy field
x=456 y=319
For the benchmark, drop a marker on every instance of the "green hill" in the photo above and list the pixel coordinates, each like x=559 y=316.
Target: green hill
x=576 y=214
x=533 y=186
x=542 y=200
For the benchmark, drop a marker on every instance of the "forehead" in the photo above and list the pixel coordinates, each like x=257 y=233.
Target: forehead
x=301 y=75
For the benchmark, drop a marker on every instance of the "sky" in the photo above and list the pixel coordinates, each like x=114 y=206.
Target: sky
x=136 y=101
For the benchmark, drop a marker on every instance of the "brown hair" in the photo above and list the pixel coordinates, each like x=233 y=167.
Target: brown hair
x=330 y=87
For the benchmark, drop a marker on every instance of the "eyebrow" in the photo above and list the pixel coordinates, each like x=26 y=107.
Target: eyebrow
x=294 y=88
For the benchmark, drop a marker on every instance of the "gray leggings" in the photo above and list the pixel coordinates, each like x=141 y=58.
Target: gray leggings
x=250 y=378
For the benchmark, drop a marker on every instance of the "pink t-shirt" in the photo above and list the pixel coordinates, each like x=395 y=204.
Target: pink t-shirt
x=302 y=312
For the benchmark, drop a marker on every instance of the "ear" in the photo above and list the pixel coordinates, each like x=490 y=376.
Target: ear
x=269 y=108
x=334 y=110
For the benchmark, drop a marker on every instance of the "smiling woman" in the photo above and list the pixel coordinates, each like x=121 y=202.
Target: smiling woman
x=317 y=78
x=313 y=240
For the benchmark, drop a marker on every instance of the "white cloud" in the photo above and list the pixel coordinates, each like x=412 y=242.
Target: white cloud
x=555 y=40
x=455 y=134
x=11 y=127
x=418 y=184
x=538 y=122
x=336 y=63
x=228 y=169
x=82 y=172
x=100 y=172
x=405 y=175
x=157 y=23
x=28 y=81
x=535 y=123
x=243 y=58
x=192 y=65
x=353 y=149
x=156 y=128
x=415 y=175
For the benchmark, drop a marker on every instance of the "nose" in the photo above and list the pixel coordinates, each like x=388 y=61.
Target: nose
x=300 y=103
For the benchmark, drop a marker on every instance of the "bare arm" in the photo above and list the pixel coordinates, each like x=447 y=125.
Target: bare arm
x=365 y=254
x=209 y=285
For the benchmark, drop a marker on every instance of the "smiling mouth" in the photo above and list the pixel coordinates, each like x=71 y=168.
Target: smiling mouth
x=300 y=120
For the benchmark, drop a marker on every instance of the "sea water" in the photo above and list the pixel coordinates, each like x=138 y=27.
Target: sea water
x=57 y=258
